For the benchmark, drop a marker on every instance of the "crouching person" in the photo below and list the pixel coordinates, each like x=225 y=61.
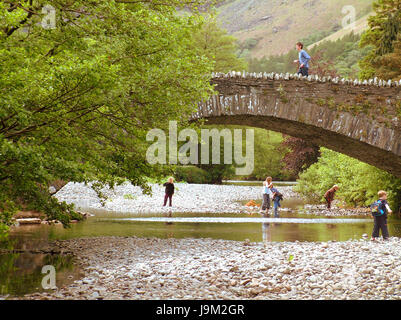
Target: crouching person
x=277 y=198
x=329 y=195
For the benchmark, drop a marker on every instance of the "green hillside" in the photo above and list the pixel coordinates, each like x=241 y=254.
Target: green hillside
x=266 y=27
x=360 y=26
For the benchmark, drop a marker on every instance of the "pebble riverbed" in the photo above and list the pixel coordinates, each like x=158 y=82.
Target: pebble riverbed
x=133 y=268
x=187 y=198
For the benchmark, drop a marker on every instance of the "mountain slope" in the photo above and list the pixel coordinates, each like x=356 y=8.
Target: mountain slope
x=360 y=26
x=276 y=25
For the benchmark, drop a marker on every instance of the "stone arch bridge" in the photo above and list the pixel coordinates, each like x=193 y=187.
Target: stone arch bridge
x=359 y=119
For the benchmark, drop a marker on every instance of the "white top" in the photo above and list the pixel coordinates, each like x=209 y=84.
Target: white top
x=266 y=189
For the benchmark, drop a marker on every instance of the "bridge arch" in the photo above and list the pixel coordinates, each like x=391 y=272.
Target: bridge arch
x=359 y=119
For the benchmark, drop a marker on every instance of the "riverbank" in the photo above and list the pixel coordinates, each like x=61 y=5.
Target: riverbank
x=187 y=198
x=335 y=211
x=135 y=268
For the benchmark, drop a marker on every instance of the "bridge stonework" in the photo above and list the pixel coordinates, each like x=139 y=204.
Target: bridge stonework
x=359 y=119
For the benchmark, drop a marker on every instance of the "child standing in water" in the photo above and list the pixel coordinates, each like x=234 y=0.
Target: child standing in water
x=380 y=217
x=169 y=191
x=267 y=185
x=277 y=198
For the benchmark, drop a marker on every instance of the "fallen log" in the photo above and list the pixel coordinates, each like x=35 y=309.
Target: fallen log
x=29 y=221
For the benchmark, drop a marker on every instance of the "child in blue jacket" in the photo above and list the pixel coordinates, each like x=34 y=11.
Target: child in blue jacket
x=277 y=198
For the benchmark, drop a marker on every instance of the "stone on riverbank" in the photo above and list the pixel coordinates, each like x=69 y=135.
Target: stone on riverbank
x=187 y=198
x=134 y=268
x=29 y=221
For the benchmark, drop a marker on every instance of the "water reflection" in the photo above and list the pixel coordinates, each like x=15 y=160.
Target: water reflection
x=21 y=273
x=266 y=232
x=227 y=227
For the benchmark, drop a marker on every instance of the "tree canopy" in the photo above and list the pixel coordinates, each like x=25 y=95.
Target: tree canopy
x=219 y=46
x=383 y=34
x=358 y=181
x=77 y=100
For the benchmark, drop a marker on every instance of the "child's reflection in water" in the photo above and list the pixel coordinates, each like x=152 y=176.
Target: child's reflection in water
x=266 y=232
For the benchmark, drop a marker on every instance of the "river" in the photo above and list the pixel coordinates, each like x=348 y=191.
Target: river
x=20 y=270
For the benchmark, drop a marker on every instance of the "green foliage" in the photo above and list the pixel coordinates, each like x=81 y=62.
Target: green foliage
x=249 y=44
x=319 y=35
x=221 y=48
x=7 y=210
x=358 y=181
x=192 y=174
x=218 y=46
x=246 y=47
x=384 y=29
x=215 y=173
x=21 y=273
x=389 y=65
x=129 y=197
x=269 y=156
x=77 y=101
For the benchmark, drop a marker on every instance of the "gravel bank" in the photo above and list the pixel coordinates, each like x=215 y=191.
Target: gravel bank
x=195 y=198
x=188 y=198
x=132 y=268
x=335 y=211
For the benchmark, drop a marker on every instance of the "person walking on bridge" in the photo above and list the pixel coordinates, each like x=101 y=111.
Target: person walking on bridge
x=303 y=61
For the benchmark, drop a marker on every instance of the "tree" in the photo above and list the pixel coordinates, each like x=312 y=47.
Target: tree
x=269 y=155
x=221 y=49
x=323 y=67
x=384 y=28
x=219 y=46
x=77 y=101
x=359 y=182
x=389 y=65
x=301 y=156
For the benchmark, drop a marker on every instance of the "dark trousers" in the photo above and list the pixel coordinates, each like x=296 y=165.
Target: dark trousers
x=380 y=224
x=169 y=197
x=266 y=201
x=304 y=71
x=329 y=201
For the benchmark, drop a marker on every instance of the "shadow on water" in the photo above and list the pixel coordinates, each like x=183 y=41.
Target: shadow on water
x=21 y=273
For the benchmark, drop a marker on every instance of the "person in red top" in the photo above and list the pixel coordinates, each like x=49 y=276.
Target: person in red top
x=329 y=195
